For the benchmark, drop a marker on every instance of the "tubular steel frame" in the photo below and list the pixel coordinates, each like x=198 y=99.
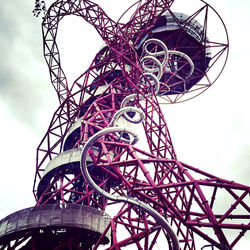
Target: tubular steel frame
x=169 y=187
x=183 y=196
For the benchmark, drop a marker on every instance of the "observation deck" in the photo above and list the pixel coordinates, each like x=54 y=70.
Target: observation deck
x=182 y=33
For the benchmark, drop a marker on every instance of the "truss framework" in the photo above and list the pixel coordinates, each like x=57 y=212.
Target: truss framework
x=188 y=198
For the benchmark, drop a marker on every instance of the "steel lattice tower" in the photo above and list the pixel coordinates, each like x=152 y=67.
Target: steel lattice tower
x=95 y=186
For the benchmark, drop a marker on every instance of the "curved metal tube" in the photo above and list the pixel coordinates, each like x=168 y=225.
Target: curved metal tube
x=151 y=79
x=148 y=79
x=185 y=56
x=143 y=206
x=165 y=51
x=124 y=111
x=157 y=66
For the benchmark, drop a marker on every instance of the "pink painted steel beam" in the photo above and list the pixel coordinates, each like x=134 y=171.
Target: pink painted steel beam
x=153 y=176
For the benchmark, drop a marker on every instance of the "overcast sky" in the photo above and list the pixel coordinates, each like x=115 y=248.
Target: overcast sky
x=211 y=132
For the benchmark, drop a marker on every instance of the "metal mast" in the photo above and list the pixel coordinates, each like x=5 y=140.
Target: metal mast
x=96 y=186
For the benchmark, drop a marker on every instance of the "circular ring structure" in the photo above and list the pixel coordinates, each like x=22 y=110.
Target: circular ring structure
x=124 y=111
x=86 y=222
x=196 y=53
x=164 y=52
x=152 y=65
x=187 y=58
x=148 y=79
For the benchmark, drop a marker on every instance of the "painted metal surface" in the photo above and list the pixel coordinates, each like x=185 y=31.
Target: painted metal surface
x=157 y=57
x=176 y=50
x=28 y=222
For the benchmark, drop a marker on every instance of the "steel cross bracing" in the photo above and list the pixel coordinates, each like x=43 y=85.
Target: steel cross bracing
x=109 y=30
x=186 y=197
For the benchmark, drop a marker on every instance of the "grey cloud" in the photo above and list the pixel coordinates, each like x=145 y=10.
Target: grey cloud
x=240 y=167
x=23 y=78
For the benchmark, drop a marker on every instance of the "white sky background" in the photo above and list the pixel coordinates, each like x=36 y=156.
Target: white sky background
x=210 y=132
